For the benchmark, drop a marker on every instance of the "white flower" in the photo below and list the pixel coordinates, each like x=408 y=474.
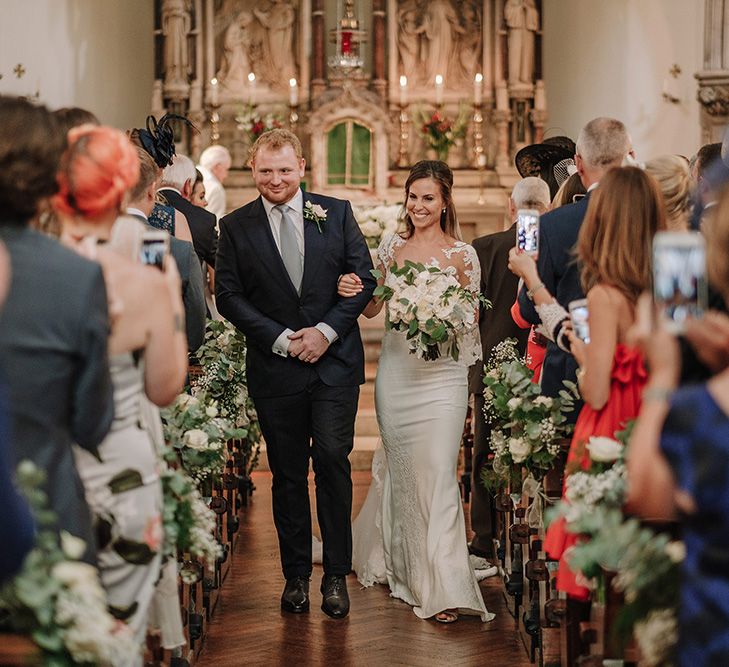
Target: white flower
x=73 y=547
x=195 y=439
x=318 y=211
x=75 y=574
x=211 y=410
x=494 y=373
x=543 y=400
x=186 y=401
x=604 y=450
x=514 y=403
x=370 y=228
x=676 y=551
x=519 y=449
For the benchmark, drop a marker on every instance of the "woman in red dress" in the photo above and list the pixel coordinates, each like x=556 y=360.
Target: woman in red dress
x=614 y=251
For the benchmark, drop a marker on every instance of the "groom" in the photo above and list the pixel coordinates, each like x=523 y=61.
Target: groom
x=279 y=259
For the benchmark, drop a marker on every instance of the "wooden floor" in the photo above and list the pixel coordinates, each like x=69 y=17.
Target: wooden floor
x=249 y=628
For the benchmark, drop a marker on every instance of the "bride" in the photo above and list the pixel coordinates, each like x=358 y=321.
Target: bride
x=411 y=533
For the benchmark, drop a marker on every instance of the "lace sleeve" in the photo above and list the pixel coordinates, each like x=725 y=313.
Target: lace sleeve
x=386 y=249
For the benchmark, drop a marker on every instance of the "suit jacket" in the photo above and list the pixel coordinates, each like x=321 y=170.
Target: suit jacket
x=54 y=331
x=500 y=286
x=202 y=225
x=558 y=270
x=193 y=289
x=254 y=292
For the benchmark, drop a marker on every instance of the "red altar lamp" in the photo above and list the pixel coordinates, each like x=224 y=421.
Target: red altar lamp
x=348 y=37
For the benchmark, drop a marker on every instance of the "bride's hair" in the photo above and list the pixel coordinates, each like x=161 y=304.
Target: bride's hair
x=441 y=173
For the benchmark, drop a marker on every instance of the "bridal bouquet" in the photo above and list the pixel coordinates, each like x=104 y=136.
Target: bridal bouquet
x=430 y=306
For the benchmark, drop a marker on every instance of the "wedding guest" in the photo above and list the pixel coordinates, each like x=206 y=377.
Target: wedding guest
x=571 y=191
x=705 y=158
x=614 y=253
x=141 y=203
x=278 y=263
x=677 y=468
x=54 y=326
x=70 y=117
x=409 y=533
x=500 y=286
x=198 y=191
x=148 y=351
x=674 y=179
x=541 y=161
x=602 y=144
x=177 y=182
x=16 y=522
x=214 y=165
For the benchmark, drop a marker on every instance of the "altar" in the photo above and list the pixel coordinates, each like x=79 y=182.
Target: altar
x=369 y=87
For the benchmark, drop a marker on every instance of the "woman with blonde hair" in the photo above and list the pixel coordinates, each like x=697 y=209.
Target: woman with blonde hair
x=674 y=180
x=148 y=355
x=614 y=253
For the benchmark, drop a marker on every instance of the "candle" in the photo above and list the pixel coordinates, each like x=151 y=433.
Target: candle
x=214 y=100
x=293 y=92
x=477 y=89
x=403 y=90
x=438 y=89
x=252 y=87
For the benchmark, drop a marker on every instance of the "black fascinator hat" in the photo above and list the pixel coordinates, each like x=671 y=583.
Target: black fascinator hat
x=159 y=139
x=540 y=160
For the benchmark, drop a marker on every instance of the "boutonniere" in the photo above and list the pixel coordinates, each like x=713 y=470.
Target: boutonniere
x=315 y=213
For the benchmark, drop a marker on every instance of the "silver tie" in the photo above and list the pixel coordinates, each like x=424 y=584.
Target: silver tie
x=290 y=253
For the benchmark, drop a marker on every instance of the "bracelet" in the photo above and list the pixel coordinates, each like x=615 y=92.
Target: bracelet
x=657 y=394
x=531 y=292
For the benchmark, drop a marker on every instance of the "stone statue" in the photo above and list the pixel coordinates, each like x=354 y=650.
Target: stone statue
x=522 y=20
x=175 y=28
x=277 y=50
x=235 y=65
x=439 y=27
x=469 y=44
x=408 y=40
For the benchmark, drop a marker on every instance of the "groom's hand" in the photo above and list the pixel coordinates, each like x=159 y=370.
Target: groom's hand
x=308 y=344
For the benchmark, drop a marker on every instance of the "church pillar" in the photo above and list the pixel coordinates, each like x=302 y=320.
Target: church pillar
x=713 y=80
x=318 y=49
x=378 y=48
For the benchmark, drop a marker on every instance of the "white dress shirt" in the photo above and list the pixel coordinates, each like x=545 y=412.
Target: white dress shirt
x=296 y=215
x=214 y=193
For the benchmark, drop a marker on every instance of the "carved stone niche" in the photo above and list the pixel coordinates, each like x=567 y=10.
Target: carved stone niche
x=347 y=109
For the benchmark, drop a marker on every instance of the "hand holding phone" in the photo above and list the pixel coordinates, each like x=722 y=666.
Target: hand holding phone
x=154 y=248
x=527 y=231
x=679 y=278
x=579 y=315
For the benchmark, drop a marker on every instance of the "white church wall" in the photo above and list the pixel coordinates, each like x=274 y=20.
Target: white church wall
x=613 y=59
x=97 y=54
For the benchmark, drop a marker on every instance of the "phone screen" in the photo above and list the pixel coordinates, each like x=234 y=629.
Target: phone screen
x=527 y=231
x=579 y=315
x=153 y=251
x=679 y=277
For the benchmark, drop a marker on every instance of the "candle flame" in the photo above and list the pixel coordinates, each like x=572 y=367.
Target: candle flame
x=438 y=79
x=403 y=81
x=251 y=77
x=213 y=82
x=292 y=83
x=479 y=77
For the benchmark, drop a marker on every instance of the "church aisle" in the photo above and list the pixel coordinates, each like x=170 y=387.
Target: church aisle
x=248 y=627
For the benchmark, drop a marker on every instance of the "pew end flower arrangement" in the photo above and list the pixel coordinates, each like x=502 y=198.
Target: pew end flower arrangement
x=432 y=308
x=528 y=429
x=56 y=599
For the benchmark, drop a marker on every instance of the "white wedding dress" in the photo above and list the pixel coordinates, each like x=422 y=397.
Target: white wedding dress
x=410 y=533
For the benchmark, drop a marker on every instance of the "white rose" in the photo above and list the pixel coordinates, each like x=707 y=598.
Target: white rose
x=318 y=211
x=519 y=449
x=370 y=228
x=74 y=573
x=676 y=551
x=514 y=403
x=186 y=401
x=604 y=450
x=211 y=410
x=195 y=439
x=73 y=547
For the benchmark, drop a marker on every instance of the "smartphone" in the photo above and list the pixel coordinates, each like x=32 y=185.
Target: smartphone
x=154 y=247
x=578 y=315
x=679 y=277
x=527 y=230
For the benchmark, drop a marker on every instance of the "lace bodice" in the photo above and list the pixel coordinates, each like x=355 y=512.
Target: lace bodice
x=470 y=344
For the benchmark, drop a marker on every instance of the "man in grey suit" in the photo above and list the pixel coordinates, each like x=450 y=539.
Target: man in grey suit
x=141 y=203
x=54 y=326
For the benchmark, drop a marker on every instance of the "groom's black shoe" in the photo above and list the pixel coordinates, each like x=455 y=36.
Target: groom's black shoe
x=335 y=600
x=295 y=597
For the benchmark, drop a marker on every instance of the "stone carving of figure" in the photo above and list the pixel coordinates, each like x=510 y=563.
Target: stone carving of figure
x=235 y=66
x=522 y=20
x=439 y=27
x=175 y=28
x=408 y=39
x=469 y=44
x=277 y=46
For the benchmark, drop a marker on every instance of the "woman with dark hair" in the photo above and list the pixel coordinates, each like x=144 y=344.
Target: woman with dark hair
x=413 y=538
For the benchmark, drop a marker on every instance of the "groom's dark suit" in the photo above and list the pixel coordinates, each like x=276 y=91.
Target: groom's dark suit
x=304 y=409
